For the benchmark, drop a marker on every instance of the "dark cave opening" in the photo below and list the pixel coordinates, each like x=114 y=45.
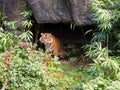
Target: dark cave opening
x=73 y=38
x=64 y=32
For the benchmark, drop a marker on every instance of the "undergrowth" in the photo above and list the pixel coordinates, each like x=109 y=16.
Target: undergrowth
x=24 y=68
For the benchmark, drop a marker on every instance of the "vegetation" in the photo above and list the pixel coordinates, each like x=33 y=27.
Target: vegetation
x=24 y=68
x=104 y=48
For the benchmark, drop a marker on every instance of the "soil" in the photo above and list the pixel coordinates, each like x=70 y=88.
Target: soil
x=81 y=62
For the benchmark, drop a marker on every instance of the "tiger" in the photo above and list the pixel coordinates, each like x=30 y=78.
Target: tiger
x=53 y=45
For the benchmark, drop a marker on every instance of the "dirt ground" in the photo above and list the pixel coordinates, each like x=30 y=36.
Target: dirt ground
x=81 y=62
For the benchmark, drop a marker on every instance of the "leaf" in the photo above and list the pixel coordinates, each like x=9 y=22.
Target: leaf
x=56 y=58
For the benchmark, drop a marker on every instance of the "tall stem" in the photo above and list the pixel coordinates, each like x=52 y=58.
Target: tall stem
x=107 y=44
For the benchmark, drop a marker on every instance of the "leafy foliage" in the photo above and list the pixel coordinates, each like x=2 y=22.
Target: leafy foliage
x=26 y=36
x=72 y=51
x=105 y=72
x=10 y=24
x=7 y=40
x=27 y=24
x=31 y=69
x=95 y=50
x=107 y=16
x=27 y=13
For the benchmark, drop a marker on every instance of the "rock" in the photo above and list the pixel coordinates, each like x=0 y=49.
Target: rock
x=81 y=12
x=51 y=11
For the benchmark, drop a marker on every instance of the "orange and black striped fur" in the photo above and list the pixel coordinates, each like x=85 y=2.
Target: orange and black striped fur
x=53 y=44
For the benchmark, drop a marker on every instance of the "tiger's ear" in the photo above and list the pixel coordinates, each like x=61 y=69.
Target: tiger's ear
x=41 y=33
x=50 y=34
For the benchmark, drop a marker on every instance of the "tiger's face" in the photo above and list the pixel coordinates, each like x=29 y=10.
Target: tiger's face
x=46 y=38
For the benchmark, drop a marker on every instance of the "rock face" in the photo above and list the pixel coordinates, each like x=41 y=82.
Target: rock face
x=50 y=11
x=81 y=12
x=55 y=11
x=12 y=9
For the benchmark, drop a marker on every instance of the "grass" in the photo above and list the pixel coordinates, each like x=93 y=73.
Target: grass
x=76 y=72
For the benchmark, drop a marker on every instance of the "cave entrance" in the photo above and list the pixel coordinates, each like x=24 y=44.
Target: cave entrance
x=66 y=32
x=73 y=37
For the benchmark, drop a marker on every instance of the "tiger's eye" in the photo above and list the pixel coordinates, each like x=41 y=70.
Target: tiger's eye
x=50 y=40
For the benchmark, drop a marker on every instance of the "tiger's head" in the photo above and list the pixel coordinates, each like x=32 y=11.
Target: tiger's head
x=46 y=38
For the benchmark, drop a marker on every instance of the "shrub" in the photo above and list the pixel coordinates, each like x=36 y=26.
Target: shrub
x=26 y=68
x=7 y=40
x=104 y=48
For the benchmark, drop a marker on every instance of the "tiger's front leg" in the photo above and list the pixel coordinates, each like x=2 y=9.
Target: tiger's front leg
x=55 y=52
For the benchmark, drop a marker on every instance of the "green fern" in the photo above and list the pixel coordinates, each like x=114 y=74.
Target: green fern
x=26 y=36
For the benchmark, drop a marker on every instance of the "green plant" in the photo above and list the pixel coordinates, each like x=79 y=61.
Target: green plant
x=104 y=47
x=72 y=26
x=7 y=40
x=6 y=24
x=107 y=16
x=104 y=74
x=72 y=52
x=10 y=24
x=27 y=35
x=95 y=50
x=31 y=69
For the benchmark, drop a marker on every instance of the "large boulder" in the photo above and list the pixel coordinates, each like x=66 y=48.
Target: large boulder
x=1 y=3
x=57 y=11
x=81 y=11
x=12 y=10
x=51 y=11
